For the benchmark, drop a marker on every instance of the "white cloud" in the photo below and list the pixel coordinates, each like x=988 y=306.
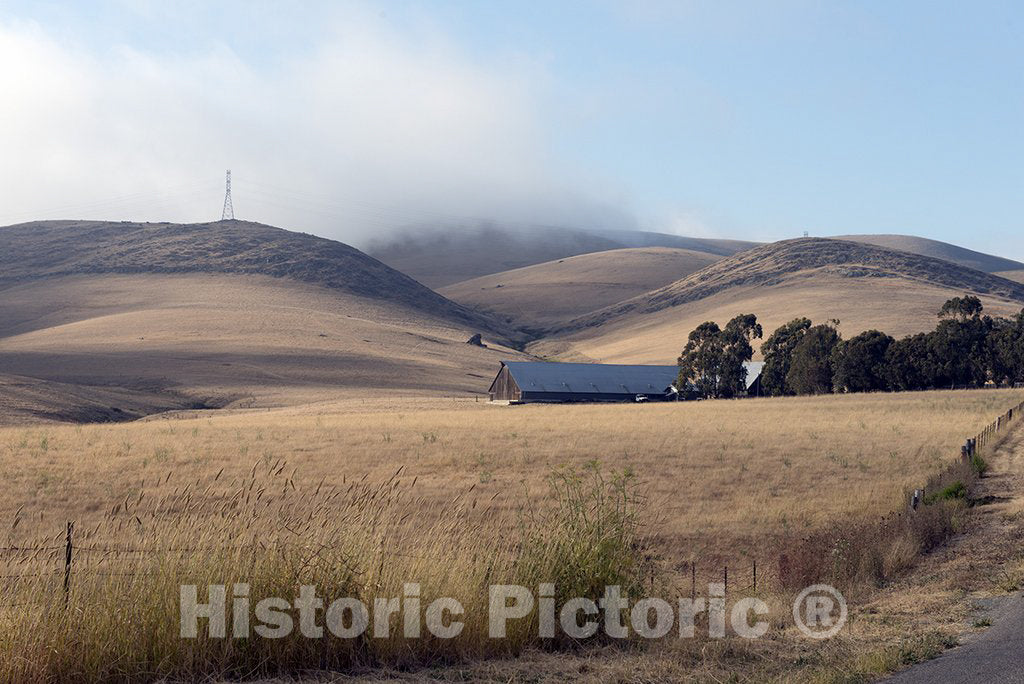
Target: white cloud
x=689 y=224
x=371 y=127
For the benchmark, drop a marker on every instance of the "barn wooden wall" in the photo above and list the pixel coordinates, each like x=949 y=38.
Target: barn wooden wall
x=504 y=387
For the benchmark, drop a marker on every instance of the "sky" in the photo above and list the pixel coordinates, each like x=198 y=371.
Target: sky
x=746 y=120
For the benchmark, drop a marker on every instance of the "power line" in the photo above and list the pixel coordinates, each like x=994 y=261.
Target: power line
x=143 y=199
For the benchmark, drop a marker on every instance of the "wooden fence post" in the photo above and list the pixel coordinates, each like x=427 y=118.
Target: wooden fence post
x=755 y=574
x=67 y=562
x=726 y=578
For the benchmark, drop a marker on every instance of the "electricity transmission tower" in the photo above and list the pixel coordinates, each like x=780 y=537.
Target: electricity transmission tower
x=229 y=211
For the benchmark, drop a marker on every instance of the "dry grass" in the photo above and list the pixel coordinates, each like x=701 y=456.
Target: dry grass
x=558 y=291
x=896 y=306
x=43 y=249
x=120 y=621
x=723 y=481
x=1016 y=276
x=941 y=600
x=718 y=474
x=940 y=250
x=82 y=346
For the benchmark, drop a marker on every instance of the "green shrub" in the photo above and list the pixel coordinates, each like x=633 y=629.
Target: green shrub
x=953 y=492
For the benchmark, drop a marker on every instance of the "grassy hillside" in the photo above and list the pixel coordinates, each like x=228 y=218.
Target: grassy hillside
x=102 y=321
x=557 y=291
x=863 y=286
x=61 y=248
x=441 y=257
x=716 y=246
x=939 y=250
x=1016 y=276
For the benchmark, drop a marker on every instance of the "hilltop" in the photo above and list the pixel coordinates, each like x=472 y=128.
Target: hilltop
x=557 y=291
x=771 y=265
x=939 y=250
x=440 y=257
x=112 y=321
x=47 y=249
x=862 y=285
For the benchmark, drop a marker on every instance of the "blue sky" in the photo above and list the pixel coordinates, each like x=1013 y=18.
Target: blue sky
x=749 y=120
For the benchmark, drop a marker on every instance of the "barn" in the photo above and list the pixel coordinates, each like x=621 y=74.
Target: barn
x=521 y=382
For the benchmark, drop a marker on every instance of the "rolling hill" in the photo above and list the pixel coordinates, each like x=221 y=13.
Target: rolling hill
x=939 y=250
x=111 y=321
x=862 y=285
x=62 y=248
x=118 y=320
x=641 y=238
x=440 y=257
x=557 y=291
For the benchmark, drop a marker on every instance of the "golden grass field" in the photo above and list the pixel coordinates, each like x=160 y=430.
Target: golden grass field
x=361 y=496
x=718 y=475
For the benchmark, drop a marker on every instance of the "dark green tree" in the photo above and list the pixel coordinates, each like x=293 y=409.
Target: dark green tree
x=737 y=349
x=810 y=370
x=961 y=308
x=712 y=361
x=859 y=363
x=909 y=364
x=959 y=346
x=778 y=354
x=700 y=364
x=1006 y=349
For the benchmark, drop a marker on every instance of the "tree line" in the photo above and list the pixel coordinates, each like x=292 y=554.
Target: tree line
x=966 y=349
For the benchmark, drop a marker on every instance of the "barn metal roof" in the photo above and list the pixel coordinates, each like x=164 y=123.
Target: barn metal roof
x=541 y=376
x=754 y=369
